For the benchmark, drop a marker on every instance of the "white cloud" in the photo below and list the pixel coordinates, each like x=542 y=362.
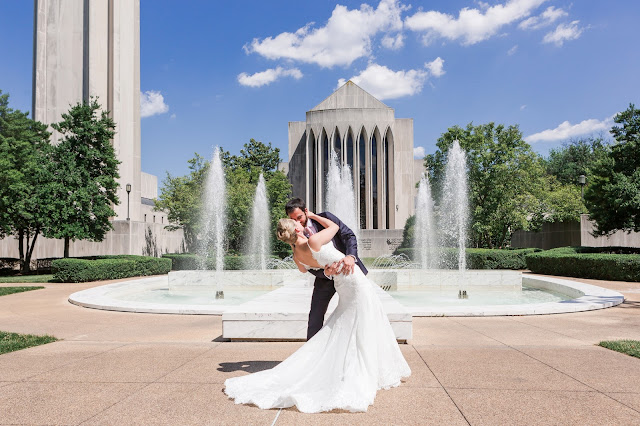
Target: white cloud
x=523 y=107
x=513 y=50
x=562 y=33
x=548 y=17
x=267 y=76
x=435 y=67
x=418 y=152
x=346 y=36
x=393 y=43
x=152 y=103
x=173 y=116
x=472 y=25
x=384 y=83
x=567 y=130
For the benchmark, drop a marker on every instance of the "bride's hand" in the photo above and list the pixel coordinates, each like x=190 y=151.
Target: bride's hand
x=309 y=213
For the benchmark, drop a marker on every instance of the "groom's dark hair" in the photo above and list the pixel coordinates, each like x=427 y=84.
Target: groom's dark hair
x=295 y=203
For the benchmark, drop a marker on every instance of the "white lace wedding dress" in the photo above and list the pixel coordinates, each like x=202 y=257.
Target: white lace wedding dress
x=343 y=365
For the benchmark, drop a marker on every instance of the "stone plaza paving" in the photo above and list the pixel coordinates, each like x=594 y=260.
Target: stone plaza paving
x=126 y=368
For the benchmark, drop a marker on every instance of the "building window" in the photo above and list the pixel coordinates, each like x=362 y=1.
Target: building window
x=312 y=172
x=337 y=145
x=324 y=145
x=374 y=179
x=363 y=193
x=350 y=152
x=386 y=180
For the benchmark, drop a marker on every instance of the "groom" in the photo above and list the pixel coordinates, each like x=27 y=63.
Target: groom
x=345 y=241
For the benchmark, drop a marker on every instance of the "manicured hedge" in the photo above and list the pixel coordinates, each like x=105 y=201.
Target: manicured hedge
x=482 y=258
x=9 y=265
x=189 y=261
x=588 y=262
x=108 y=268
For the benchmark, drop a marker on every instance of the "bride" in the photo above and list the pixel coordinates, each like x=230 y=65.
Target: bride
x=348 y=360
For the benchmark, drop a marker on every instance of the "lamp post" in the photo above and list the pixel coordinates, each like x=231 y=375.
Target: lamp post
x=582 y=179
x=128 y=187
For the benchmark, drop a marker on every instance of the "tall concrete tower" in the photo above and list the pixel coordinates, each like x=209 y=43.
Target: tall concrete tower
x=86 y=48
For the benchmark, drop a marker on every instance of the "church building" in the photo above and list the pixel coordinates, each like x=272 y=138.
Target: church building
x=365 y=135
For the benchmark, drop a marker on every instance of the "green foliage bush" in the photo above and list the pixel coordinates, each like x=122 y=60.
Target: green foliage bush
x=482 y=258
x=603 y=263
x=190 y=261
x=108 y=268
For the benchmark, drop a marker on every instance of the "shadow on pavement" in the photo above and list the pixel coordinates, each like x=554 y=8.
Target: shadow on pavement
x=248 y=366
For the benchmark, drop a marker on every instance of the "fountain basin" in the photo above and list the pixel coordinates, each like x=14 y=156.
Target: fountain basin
x=446 y=279
x=124 y=296
x=205 y=281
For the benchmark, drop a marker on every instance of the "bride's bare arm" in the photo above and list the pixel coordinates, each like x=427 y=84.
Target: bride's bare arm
x=316 y=241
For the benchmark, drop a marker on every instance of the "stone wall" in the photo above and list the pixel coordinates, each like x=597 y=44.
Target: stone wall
x=378 y=242
x=552 y=235
x=566 y=234
x=127 y=237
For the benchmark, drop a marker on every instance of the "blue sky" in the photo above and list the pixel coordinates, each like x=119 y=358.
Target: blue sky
x=220 y=73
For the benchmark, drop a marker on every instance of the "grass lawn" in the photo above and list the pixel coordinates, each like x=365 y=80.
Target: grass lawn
x=10 y=342
x=10 y=290
x=45 y=278
x=629 y=347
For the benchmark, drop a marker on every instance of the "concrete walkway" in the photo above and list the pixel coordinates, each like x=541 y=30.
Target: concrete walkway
x=124 y=368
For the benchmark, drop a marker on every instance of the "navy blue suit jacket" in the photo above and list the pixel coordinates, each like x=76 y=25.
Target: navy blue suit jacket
x=344 y=240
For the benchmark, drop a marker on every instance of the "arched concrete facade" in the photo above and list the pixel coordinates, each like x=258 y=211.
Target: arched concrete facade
x=364 y=134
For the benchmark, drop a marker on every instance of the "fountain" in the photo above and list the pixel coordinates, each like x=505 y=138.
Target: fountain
x=258 y=246
x=340 y=198
x=213 y=220
x=425 y=241
x=455 y=209
x=272 y=302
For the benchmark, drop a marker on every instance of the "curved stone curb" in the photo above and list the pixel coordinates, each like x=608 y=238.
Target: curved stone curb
x=98 y=298
x=586 y=297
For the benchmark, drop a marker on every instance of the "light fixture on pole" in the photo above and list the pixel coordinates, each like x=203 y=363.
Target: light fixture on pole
x=582 y=179
x=128 y=187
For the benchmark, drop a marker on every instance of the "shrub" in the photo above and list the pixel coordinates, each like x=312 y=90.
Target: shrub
x=587 y=262
x=108 y=268
x=9 y=265
x=481 y=258
x=498 y=259
x=189 y=261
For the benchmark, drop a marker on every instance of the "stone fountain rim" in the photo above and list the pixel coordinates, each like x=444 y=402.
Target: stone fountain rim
x=593 y=297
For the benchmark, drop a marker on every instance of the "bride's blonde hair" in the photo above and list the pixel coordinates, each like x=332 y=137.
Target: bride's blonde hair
x=287 y=231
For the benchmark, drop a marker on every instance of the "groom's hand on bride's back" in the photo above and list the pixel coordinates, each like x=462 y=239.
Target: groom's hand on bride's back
x=348 y=264
x=332 y=269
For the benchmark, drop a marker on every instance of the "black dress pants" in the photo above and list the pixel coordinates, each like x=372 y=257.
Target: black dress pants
x=323 y=291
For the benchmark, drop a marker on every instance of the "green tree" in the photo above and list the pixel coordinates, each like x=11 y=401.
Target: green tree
x=575 y=158
x=181 y=198
x=84 y=173
x=242 y=173
x=613 y=197
x=254 y=158
x=24 y=180
x=558 y=203
x=505 y=176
